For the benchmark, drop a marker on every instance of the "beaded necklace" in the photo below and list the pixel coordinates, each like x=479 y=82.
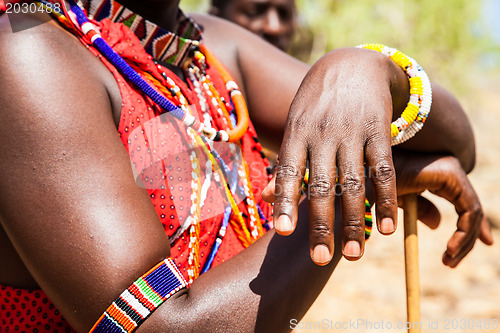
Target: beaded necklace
x=201 y=133
x=231 y=135
x=245 y=235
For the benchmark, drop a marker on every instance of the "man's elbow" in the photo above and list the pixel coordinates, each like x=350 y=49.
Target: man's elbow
x=465 y=151
x=468 y=160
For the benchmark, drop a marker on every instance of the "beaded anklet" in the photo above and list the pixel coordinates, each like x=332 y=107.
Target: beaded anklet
x=144 y=296
x=413 y=117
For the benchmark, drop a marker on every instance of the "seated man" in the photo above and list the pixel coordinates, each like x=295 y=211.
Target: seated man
x=85 y=120
x=273 y=20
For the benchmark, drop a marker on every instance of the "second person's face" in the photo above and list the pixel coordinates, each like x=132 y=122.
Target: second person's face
x=274 y=20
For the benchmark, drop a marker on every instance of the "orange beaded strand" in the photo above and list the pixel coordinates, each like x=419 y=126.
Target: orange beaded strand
x=240 y=105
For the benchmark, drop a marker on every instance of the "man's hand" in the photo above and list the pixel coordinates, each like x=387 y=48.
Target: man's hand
x=339 y=119
x=444 y=176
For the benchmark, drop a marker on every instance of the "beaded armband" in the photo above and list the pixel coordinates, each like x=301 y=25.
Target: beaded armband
x=413 y=117
x=136 y=303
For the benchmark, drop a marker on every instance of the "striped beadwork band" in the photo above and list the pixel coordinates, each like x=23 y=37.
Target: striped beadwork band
x=136 y=303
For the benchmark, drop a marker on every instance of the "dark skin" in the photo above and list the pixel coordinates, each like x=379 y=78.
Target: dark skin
x=273 y=20
x=84 y=231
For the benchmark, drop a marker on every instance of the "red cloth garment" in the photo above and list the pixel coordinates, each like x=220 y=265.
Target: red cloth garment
x=29 y=311
x=161 y=162
x=138 y=129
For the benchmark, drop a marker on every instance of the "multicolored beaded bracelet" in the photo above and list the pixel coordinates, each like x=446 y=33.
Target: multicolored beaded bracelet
x=413 y=117
x=144 y=296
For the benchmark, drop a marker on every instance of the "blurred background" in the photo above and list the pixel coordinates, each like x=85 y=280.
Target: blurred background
x=458 y=43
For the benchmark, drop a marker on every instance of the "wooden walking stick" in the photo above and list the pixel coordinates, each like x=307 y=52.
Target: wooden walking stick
x=411 y=263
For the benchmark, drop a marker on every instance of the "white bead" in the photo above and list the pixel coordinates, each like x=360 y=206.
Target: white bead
x=231 y=85
x=189 y=120
x=224 y=135
x=210 y=132
x=235 y=92
x=92 y=40
x=87 y=27
x=413 y=99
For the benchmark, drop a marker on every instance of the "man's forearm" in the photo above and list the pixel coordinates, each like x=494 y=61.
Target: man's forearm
x=261 y=289
x=447 y=130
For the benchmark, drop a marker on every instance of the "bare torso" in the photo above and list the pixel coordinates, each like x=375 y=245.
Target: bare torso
x=13 y=271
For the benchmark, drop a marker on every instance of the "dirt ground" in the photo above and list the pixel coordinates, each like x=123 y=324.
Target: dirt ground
x=369 y=295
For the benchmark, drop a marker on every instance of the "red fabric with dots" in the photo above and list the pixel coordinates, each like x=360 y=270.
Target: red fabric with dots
x=139 y=127
x=29 y=311
x=34 y=312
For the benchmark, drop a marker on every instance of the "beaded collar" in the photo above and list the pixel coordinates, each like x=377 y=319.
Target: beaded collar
x=165 y=46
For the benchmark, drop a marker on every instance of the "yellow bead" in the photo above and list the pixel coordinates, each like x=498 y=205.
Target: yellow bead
x=410 y=113
x=415 y=82
x=374 y=47
x=394 y=130
x=401 y=59
x=417 y=90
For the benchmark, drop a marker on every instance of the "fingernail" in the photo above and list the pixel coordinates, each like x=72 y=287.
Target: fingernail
x=387 y=225
x=352 y=249
x=321 y=254
x=283 y=224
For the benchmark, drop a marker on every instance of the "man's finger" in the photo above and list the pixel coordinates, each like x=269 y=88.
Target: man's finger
x=289 y=176
x=321 y=194
x=464 y=238
x=460 y=193
x=352 y=181
x=454 y=261
x=268 y=194
x=486 y=236
x=428 y=213
x=461 y=238
x=381 y=170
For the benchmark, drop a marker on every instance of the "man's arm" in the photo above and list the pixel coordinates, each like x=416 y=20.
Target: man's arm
x=67 y=198
x=338 y=120
x=271 y=79
x=447 y=130
x=86 y=231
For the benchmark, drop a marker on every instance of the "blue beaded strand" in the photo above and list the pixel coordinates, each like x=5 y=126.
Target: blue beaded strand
x=117 y=61
x=218 y=241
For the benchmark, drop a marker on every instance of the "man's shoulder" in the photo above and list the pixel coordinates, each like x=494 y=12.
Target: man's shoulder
x=42 y=52
x=218 y=34
x=225 y=39
x=32 y=38
x=21 y=25
x=52 y=65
